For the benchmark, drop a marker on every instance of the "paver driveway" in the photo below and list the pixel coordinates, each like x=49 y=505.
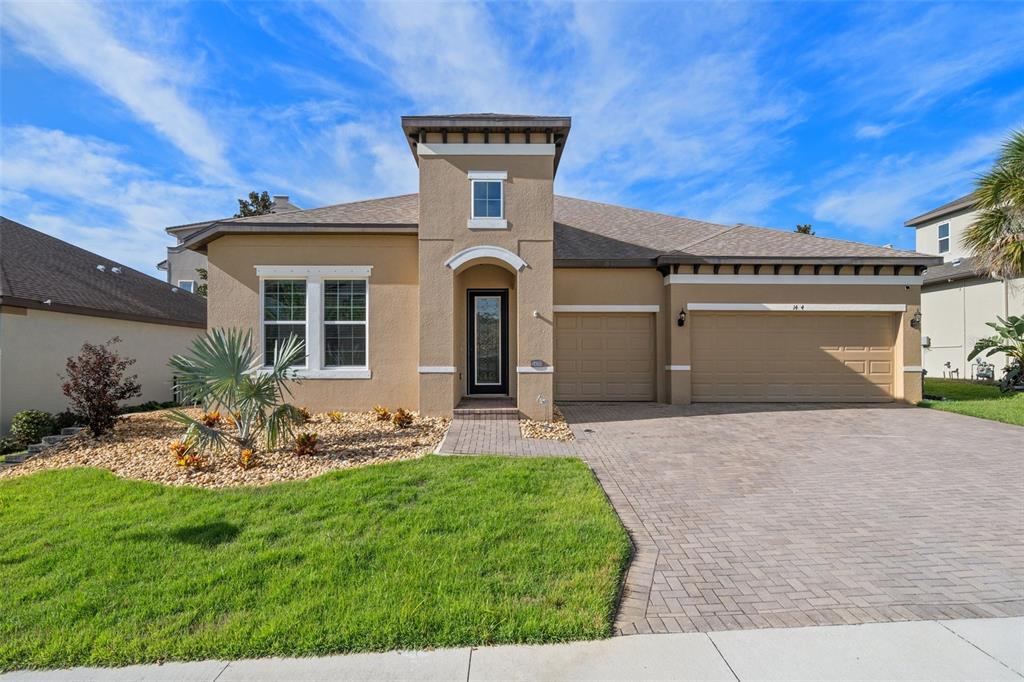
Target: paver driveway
x=759 y=516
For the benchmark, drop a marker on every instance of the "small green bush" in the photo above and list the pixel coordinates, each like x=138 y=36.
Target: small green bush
x=9 y=445
x=29 y=426
x=66 y=419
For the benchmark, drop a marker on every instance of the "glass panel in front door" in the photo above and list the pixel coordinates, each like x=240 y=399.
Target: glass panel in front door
x=487 y=335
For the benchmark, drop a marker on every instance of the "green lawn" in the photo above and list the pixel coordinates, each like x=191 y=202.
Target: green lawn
x=975 y=400
x=442 y=551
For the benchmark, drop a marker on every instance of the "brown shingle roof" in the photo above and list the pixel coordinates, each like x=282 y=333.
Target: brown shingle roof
x=585 y=232
x=35 y=268
x=963 y=268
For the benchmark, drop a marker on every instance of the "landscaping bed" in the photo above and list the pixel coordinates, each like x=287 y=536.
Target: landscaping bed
x=436 y=552
x=974 y=399
x=556 y=429
x=139 y=448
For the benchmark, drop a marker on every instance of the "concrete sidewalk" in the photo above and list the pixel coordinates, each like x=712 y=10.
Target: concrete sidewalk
x=983 y=649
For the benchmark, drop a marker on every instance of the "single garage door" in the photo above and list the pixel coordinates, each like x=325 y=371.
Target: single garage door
x=785 y=357
x=604 y=356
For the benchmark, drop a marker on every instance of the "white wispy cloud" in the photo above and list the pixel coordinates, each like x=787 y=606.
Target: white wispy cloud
x=79 y=37
x=878 y=195
x=80 y=189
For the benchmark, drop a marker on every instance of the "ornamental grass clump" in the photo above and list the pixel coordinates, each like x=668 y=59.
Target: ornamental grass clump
x=224 y=373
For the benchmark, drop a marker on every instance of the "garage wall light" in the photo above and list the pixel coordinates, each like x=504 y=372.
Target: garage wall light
x=681 y=321
x=915 y=321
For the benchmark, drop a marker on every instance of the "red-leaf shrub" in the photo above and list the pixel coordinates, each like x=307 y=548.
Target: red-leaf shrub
x=95 y=383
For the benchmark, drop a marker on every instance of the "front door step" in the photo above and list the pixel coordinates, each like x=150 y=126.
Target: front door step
x=486 y=408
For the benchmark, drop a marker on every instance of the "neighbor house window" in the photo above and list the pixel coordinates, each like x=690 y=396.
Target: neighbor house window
x=944 y=238
x=188 y=285
x=487 y=200
x=284 y=314
x=345 y=323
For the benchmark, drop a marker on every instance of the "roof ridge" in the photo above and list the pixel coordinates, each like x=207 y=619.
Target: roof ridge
x=642 y=210
x=827 y=239
x=317 y=208
x=683 y=248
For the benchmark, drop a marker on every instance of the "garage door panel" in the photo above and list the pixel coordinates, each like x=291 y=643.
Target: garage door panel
x=604 y=356
x=782 y=357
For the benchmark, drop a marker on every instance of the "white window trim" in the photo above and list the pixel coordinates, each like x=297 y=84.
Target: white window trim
x=263 y=325
x=365 y=324
x=314 y=275
x=435 y=369
x=941 y=238
x=812 y=280
x=190 y=281
x=803 y=307
x=489 y=222
x=607 y=308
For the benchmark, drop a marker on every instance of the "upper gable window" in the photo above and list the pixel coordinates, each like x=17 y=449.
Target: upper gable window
x=487 y=200
x=944 y=238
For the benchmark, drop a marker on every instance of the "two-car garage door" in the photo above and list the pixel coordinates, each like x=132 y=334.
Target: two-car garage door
x=735 y=356
x=792 y=357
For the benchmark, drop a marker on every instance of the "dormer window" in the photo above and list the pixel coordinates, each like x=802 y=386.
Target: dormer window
x=944 y=238
x=487 y=200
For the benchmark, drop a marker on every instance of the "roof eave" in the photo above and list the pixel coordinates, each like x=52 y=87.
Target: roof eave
x=687 y=259
x=199 y=240
x=936 y=214
x=97 y=312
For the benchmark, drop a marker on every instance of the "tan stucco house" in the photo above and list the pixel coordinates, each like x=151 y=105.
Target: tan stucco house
x=958 y=297
x=55 y=296
x=486 y=283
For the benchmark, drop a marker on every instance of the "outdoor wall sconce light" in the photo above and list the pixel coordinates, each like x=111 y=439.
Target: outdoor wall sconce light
x=915 y=321
x=681 y=321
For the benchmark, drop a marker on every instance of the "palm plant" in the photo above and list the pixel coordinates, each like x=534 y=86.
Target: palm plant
x=224 y=373
x=996 y=238
x=1009 y=340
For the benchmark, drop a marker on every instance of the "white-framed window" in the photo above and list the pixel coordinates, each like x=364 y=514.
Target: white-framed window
x=326 y=306
x=944 y=238
x=487 y=200
x=188 y=285
x=346 y=323
x=284 y=314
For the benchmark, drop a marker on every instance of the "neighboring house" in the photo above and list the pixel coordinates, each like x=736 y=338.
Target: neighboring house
x=487 y=284
x=182 y=265
x=55 y=296
x=958 y=297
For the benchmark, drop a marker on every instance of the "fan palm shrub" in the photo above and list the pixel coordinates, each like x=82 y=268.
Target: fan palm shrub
x=996 y=238
x=224 y=374
x=1009 y=340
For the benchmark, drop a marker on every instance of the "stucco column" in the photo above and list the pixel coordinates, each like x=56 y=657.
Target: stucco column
x=535 y=337
x=437 y=381
x=678 y=363
x=909 y=385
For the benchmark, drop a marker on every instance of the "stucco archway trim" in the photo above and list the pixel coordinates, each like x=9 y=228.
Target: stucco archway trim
x=477 y=252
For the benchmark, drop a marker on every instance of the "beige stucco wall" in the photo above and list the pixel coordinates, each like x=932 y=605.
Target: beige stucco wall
x=927 y=234
x=393 y=298
x=954 y=317
x=445 y=193
x=907 y=385
x=35 y=344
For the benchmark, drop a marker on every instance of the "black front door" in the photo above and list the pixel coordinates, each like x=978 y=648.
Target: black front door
x=487 y=330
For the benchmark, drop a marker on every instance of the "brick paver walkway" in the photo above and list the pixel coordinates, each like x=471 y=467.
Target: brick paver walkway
x=750 y=516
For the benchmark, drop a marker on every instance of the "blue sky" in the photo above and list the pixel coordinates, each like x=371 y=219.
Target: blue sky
x=119 y=119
